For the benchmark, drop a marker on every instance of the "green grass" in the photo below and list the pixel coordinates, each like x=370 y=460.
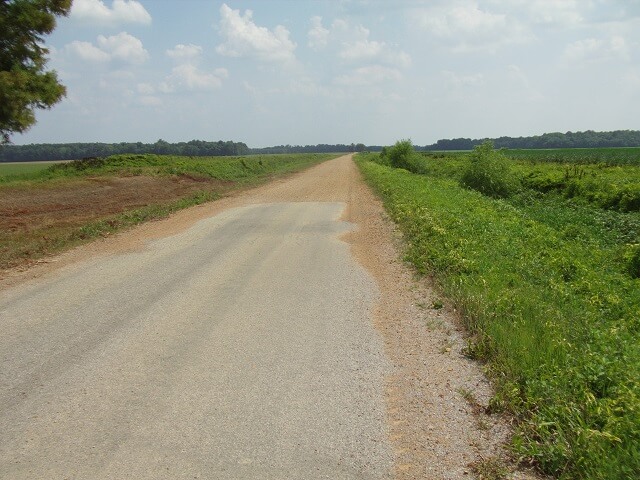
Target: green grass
x=545 y=288
x=10 y=171
x=237 y=169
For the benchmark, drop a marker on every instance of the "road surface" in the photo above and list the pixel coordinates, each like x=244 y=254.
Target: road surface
x=241 y=347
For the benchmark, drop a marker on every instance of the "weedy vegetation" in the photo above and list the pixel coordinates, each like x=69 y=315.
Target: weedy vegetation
x=542 y=258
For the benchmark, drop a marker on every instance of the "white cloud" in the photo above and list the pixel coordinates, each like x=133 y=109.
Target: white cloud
x=121 y=11
x=354 y=45
x=556 y=12
x=189 y=77
x=371 y=50
x=308 y=87
x=149 y=101
x=184 y=52
x=318 y=35
x=465 y=27
x=87 y=52
x=595 y=50
x=369 y=75
x=456 y=80
x=561 y=13
x=221 y=72
x=124 y=47
x=146 y=89
x=243 y=38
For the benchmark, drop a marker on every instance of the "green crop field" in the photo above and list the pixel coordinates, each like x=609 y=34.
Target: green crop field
x=543 y=259
x=12 y=170
x=608 y=156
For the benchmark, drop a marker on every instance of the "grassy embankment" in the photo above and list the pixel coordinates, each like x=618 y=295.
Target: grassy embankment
x=45 y=210
x=546 y=272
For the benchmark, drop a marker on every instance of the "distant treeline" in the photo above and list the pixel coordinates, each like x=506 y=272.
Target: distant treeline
x=199 y=148
x=194 y=148
x=320 y=148
x=588 y=139
x=74 y=151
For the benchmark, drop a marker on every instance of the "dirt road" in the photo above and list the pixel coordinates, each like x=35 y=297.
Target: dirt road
x=272 y=334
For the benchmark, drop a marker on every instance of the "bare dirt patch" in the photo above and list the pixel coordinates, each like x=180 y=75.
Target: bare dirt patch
x=70 y=202
x=33 y=218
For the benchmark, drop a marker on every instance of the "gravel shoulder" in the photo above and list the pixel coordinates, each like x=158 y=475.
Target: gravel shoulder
x=432 y=396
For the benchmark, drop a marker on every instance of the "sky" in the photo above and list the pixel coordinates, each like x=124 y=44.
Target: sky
x=298 y=72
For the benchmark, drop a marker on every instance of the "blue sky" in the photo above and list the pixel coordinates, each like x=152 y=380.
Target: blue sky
x=342 y=71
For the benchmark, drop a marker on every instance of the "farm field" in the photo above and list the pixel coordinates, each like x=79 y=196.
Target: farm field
x=608 y=156
x=545 y=272
x=9 y=170
x=44 y=210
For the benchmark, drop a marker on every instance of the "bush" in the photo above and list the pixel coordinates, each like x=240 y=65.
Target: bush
x=400 y=154
x=489 y=173
x=403 y=155
x=383 y=158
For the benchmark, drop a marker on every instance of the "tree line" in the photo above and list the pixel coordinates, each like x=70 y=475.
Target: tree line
x=75 y=151
x=319 y=148
x=194 y=148
x=587 y=139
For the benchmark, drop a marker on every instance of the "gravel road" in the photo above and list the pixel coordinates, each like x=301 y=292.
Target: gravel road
x=273 y=334
x=240 y=348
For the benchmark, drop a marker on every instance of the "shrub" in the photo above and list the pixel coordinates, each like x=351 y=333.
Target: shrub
x=383 y=158
x=403 y=155
x=489 y=173
x=400 y=154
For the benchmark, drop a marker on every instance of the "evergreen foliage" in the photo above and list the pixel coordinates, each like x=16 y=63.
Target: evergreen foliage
x=24 y=83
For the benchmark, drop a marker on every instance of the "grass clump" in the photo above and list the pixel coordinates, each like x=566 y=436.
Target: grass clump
x=490 y=469
x=546 y=292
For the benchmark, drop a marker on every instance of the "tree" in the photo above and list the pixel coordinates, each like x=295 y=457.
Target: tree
x=24 y=83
